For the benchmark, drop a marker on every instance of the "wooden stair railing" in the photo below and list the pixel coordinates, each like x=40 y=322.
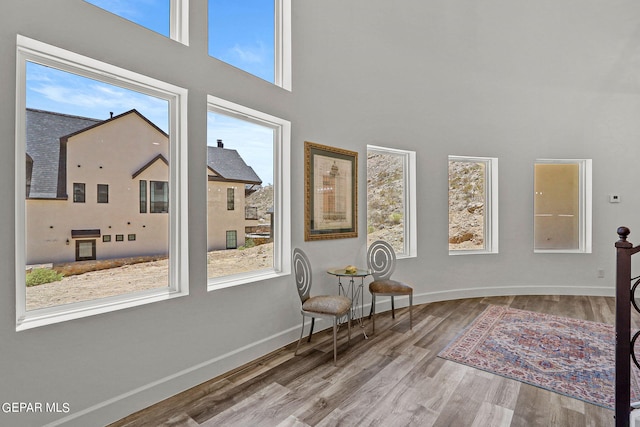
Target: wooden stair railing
x=624 y=349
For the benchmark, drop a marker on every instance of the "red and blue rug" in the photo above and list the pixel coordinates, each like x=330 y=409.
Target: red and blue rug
x=567 y=356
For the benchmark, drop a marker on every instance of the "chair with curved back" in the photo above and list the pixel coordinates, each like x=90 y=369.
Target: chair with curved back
x=381 y=260
x=321 y=306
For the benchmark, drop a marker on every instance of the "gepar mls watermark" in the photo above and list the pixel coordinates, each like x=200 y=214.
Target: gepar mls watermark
x=35 y=407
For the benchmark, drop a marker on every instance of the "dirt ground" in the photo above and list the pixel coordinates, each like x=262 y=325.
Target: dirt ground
x=142 y=276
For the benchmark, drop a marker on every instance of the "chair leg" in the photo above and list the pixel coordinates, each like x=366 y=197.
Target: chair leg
x=393 y=309
x=300 y=340
x=411 y=310
x=335 y=340
x=313 y=322
x=349 y=326
x=373 y=314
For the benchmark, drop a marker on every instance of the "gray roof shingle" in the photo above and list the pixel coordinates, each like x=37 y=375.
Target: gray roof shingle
x=43 y=131
x=229 y=165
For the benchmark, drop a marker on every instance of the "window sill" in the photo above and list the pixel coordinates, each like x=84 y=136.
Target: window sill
x=63 y=313
x=242 y=279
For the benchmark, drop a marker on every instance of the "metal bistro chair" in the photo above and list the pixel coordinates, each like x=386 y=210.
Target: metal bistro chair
x=381 y=259
x=321 y=306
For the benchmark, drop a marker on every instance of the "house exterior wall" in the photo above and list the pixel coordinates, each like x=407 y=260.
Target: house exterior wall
x=110 y=154
x=220 y=219
x=106 y=154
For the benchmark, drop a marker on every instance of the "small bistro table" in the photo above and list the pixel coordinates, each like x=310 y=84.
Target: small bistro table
x=353 y=290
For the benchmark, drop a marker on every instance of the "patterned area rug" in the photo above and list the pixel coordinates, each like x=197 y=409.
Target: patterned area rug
x=568 y=356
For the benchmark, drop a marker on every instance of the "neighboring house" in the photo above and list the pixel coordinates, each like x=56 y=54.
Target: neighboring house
x=98 y=189
x=229 y=181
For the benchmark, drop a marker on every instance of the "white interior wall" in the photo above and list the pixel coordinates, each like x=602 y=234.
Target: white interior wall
x=513 y=80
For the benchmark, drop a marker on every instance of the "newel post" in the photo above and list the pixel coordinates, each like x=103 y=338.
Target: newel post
x=623 y=328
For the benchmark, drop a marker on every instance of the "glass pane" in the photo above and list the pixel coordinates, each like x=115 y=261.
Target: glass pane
x=83 y=138
x=467 y=198
x=557 y=206
x=152 y=14
x=241 y=33
x=85 y=249
x=385 y=195
x=239 y=164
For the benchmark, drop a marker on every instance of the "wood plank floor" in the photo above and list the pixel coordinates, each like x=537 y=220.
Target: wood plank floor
x=394 y=378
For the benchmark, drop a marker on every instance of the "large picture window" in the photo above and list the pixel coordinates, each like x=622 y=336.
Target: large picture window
x=562 y=205
x=74 y=147
x=473 y=205
x=247 y=153
x=391 y=198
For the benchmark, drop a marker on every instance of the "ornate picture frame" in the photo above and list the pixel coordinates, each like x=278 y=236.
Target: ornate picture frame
x=331 y=192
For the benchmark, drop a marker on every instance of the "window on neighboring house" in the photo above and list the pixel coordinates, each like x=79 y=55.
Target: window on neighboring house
x=119 y=237
x=44 y=70
x=106 y=238
x=391 y=198
x=143 y=196
x=473 y=205
x=131 y=237
x=562 y=205
x=166 y=17
x=250 y=150
x=230 y=199
x=78 y=192
x=232 y=239
x=85 y=250
x=254 y=36
x=103 y=193
x=159 y=200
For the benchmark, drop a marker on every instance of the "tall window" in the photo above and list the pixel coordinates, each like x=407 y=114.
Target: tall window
x=248 y=150
x=78 y=192
x=143 y=196
x=391 y=214
x=230 y=199
x=254 y=36
x=562 y=206
x=159 y=200
x=72 y=145
x=473 y=205
x=167 y=17
x=103 y=193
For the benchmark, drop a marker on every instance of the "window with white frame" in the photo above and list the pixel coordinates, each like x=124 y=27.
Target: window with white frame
x=473 y=205
x=76 y=142
x=166 y=17
x=254 y=36
x=391 y=198
x=247 y=152
x=562 y=205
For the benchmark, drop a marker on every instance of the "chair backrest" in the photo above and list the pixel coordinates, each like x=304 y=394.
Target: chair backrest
x=301 y=273
x=381 y=259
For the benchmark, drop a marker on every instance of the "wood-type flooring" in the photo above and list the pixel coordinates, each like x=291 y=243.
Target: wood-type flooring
x=393 y=378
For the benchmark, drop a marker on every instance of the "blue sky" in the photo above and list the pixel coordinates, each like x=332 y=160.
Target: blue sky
x=241 y=33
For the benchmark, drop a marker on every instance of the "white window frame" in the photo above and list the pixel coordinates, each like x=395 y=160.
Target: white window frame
x=282 y=44
x=410 y=226
x=585 y=200
x=29 y=50
x=178 y=20
x=281 y=192
x=490 y=203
